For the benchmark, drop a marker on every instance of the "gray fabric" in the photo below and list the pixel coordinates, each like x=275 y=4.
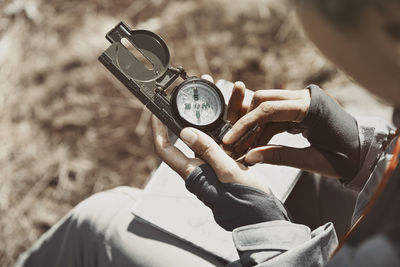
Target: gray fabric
x=368 y=243
x=377 y=251
x=396 y=117
x=374 y=133
x=384 y=217
x=333 y=132
x=376 y=240
x=102 y=232
x=283 y=243
x=372 y=183
x=233 y=205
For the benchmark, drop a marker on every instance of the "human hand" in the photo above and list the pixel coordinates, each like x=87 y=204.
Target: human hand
x=332 y=133
x=273 y=110
x=227 y=187
x=205 y=148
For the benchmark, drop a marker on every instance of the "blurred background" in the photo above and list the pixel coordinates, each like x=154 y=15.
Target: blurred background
x=69 y=129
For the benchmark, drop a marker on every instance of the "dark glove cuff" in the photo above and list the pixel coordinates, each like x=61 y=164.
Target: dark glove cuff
x=333 y=131
x=233 y=205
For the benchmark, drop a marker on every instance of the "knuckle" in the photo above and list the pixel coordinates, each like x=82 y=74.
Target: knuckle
x=266 y=108
x=305 y=94
x=257 y=98
x=257 y=95
x=157 y=149
x=205 y=149
x=241 y=124
x=301 y=110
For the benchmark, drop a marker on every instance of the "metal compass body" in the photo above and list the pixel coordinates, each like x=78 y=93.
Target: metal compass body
x=195 y=102
x=198 y=102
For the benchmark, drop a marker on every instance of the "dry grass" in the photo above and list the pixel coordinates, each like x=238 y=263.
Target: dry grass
x=68 y=129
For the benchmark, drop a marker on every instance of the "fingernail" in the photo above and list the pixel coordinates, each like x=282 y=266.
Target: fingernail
x=188 y=136
x=253 y=157
x=227 y=136
x=207 y=77
x=239 y=84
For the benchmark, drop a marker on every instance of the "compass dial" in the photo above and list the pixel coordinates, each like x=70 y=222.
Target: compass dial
x=198 y=103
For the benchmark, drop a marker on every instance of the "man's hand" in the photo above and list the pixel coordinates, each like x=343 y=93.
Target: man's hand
x=273 y=110
x=332 y=132
x=227 y=187
x=208 y=151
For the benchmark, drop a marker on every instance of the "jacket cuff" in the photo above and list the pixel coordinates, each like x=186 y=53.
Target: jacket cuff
x=374 y=134
x=274 y=235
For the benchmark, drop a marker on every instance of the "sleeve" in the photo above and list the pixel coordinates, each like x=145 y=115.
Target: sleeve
x=375 y=251
x=262 y=231
x=350 y=145
x=374 y=135
x=282 y=243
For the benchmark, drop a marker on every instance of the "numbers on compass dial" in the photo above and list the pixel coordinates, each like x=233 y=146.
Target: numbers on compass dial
x=198 y=103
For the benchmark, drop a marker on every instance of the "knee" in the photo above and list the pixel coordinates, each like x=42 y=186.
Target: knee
x=95 y=213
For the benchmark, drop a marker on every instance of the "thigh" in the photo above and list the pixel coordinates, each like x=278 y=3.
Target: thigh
x=102 y=231
x=77 y=240
x=132 y=242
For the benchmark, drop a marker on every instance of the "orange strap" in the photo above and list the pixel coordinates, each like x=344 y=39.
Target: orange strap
x=386 y=176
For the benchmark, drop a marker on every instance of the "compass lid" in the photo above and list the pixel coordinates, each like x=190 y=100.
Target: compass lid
x=151 y=47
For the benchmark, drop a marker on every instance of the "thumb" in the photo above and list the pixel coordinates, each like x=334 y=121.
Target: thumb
x=206 y=148
x=309 y=158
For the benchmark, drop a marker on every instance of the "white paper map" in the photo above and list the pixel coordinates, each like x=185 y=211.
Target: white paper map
x=166 y=204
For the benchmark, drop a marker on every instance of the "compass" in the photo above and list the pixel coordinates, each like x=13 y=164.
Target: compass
x=145 y=70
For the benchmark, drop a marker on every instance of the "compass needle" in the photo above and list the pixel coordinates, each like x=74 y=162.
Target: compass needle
x=195 y=94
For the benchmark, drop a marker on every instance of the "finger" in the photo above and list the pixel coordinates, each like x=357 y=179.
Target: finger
x=278 y=94
x=236 y=102
x=269 y=111
x=249 y=141
x=206 y=148
x=172 y=156
x=308 y=158
x=207 y=77
x=261 y=137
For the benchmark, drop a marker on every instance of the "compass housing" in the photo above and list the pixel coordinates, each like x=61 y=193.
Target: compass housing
x=193 y=81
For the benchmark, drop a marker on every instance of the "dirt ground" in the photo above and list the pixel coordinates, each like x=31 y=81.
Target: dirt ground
x=68 y=129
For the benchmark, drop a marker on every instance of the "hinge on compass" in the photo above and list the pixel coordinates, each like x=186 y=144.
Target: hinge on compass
x=169 y=78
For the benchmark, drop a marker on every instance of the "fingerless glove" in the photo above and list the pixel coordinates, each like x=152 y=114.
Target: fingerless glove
x=234 y=205
x=332 y=131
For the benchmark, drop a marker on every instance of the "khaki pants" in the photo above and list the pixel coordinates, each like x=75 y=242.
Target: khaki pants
x=102 y=231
